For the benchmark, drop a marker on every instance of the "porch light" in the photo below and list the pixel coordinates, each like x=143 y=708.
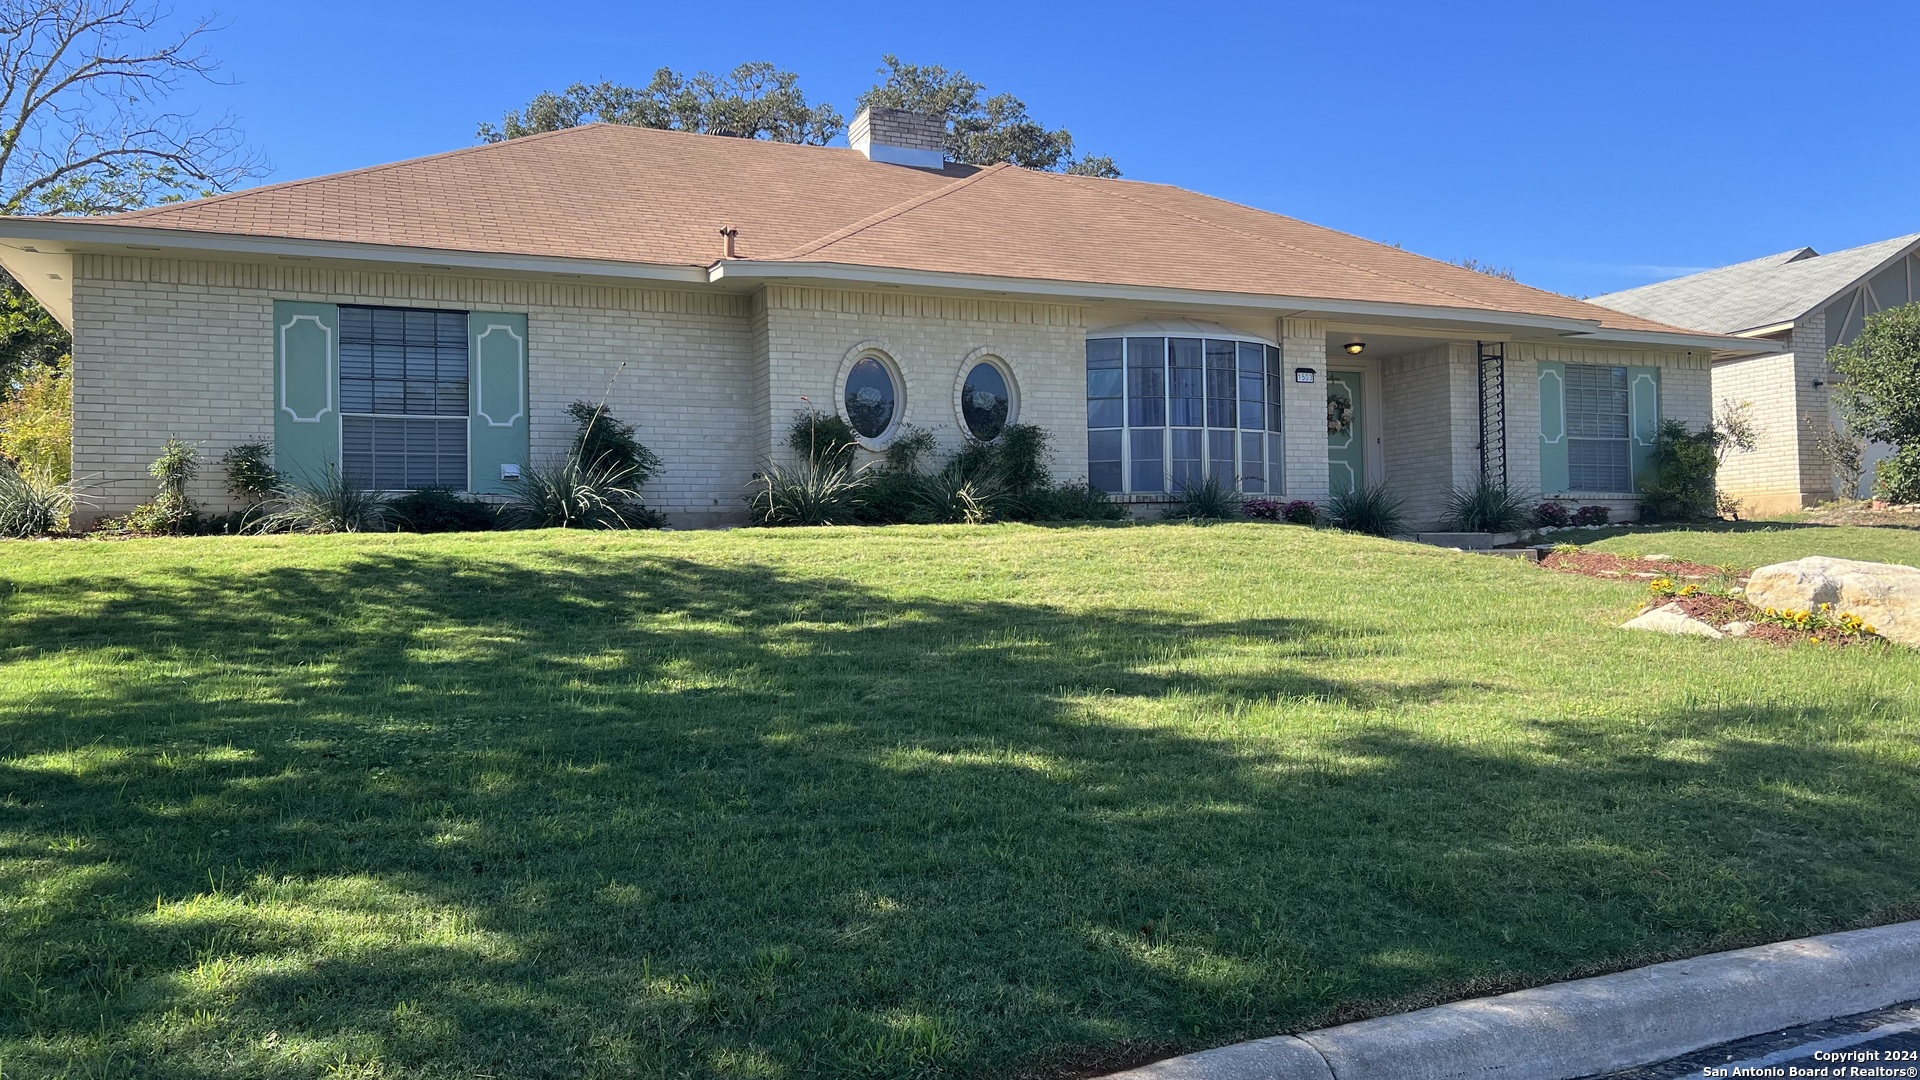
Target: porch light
x=1355 y=348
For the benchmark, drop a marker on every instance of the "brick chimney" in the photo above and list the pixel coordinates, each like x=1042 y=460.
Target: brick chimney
x=899 y=137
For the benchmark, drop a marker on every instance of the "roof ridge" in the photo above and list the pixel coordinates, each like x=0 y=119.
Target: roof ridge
x=288 y=185
x=1321 y=255
x=888 y=214
x=1515 y=283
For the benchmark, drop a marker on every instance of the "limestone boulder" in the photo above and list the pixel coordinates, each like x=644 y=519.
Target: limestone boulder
x=1671 y=619
x=1886 y=595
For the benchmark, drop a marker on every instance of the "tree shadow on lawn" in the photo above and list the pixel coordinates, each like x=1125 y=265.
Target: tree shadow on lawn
x=647 y=815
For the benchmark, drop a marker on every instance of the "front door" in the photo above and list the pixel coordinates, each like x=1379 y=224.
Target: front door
x=1346 y=446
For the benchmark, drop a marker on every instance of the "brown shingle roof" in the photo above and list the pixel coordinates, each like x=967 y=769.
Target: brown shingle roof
x=645 y=196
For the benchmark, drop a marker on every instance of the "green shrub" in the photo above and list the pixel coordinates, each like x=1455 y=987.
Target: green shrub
x=823 y=439
x=250 y=473
x=1678 y=482
x=568 y=494
x=1072 y=501
x=32 y=502
x=170 y=511
x=604 y=442
x=908 y=448
x=1551 y=514
x=438 y=510
x=1376 y=511
x=329 y=503
x=811 y=493
x=1896 y=477
x=36 y=418
x=951 y=497
x=1209 y=500
x=1486 y=507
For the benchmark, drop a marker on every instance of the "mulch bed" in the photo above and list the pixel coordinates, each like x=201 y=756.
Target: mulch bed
x=1601 y=564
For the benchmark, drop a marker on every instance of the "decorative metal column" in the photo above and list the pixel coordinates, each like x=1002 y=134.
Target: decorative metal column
x=1493 y=412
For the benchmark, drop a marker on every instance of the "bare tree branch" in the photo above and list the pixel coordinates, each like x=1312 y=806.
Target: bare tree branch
x=81 y=125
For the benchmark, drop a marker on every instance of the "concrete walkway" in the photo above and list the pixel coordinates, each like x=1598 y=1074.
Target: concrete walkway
x=1592 y=1026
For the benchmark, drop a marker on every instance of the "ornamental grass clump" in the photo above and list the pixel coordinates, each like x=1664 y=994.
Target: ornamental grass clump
x=1374 y=510
x=329 y=503
x=1486 y=507
x=596 y=486
x=32 y=502
x=1209 y=500
x=810 y=493
x=571 y=494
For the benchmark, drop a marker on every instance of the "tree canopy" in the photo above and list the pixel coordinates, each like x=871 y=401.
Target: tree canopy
x=85 y=129
x=760 y=101
x=981 y=130
x=1879 y=396
x=753 y=101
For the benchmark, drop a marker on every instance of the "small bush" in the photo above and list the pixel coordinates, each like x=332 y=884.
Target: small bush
x=1209 y=500
x=1592 y=515
x=568 y=494
x=907 y=450
x=811 y=493
x=439 y=510
x=1551 y=514
x=1261 y=509
x=606 y=443
x=1678 y=483
x=1486 y=507
x=1074 y=501
x=32 y=502
x=1375 y=511
x=170 y=511
x=823 y=439
x=250 y=473
x=1300 y=512
x=326 y=504
x=1896 y=479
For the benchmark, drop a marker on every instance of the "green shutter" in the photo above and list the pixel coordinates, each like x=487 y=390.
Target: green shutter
x=1553 y=428
x=497 y=397
x=1643 y=391
x=306 y=389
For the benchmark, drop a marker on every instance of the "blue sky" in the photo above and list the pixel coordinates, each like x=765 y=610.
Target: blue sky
x=1590 y=146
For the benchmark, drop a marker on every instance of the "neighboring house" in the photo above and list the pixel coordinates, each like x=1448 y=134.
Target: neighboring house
x=1807 y=303
x=428 y=322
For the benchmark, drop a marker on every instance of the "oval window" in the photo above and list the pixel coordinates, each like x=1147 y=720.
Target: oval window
x=985 y=401
x=870 y=398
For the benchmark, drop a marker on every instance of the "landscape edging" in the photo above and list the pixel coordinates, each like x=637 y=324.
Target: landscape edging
x=1590 y=1026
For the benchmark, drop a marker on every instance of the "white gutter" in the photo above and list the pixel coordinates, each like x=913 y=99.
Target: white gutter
x=77 y=231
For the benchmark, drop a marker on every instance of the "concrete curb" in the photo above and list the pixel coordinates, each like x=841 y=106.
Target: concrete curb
x=1590 y=1026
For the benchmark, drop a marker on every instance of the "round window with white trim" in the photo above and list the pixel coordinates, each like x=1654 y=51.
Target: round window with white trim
x=986 y=399
x=871 y=398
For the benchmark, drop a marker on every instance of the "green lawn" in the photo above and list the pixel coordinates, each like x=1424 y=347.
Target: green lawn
x=1749 y=544
x=915 y=801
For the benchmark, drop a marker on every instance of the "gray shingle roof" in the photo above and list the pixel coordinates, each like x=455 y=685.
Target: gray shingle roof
x=1764 y=292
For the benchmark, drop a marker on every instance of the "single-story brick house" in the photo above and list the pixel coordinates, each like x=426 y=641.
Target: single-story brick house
x=427 y=322
x=1805 y=303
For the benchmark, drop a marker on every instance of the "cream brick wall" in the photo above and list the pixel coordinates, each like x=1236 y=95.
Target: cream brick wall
x=1766 y=479
x=811 y=332
x=1420 y=432
x=173 y=348
x=1303 y=343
